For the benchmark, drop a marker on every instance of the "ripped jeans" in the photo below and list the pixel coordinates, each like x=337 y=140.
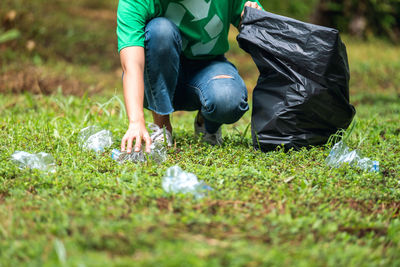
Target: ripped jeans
x=173 y=82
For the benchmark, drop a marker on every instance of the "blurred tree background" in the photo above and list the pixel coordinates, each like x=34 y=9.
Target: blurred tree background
x=60 y=39
x=362 y=18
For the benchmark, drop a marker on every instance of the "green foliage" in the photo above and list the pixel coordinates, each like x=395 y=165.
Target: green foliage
x=9 y=35
x=364 y=18
x=62 y=29
x=301 y=10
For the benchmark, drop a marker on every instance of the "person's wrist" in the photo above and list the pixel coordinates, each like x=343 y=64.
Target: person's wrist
x=136 y=120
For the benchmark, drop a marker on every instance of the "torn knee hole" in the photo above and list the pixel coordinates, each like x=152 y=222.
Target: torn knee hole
x=222 y=77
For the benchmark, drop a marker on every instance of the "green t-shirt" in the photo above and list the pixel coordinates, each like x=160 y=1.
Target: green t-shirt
x=204 y=24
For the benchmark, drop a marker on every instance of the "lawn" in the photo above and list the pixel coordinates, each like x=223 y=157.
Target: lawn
x=276 y=208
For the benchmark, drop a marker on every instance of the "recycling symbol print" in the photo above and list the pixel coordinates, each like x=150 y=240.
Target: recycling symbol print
x=200 y=10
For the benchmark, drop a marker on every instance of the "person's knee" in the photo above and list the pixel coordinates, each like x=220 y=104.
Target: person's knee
x=162 y=33
x=228 y=99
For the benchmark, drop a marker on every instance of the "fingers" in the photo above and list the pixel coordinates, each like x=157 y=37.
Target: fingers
x=138 y=143
x=147 y=139
x=123 y=143
x=133 y=140
x=250 y=4
x=253 y=5
x=129 y=146
x=127 y=143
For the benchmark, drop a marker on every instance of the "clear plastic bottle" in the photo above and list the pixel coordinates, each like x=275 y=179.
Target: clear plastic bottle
x=158 y=153
x=340 y=154
x=94 y=138
x=178 y=181
x=40 y=161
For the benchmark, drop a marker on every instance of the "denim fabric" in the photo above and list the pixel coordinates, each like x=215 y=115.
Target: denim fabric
x=173 y=82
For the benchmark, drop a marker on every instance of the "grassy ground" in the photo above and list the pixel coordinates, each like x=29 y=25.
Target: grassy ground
x=267 y=209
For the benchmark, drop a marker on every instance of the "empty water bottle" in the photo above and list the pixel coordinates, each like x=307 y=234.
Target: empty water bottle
x=94 y=138
x=340 y=154
x=158 y=153
x=122 y=157
x=178 y=181
x=41 y=161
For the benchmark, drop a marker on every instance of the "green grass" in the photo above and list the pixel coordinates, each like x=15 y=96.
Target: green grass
x=103 y=213
x=272 y=208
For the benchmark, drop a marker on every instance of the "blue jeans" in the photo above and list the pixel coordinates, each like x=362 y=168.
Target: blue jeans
x=173 y=82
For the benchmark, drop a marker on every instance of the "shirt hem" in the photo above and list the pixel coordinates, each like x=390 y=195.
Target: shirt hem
x=129 y=45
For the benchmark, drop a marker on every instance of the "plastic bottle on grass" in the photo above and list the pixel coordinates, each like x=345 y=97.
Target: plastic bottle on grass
x=40 y=161
x=340 y=154
x=178 y=181
x=94 y=138
x=158 y=153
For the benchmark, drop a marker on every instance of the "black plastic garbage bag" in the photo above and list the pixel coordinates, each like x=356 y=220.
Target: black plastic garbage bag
x=302 y=94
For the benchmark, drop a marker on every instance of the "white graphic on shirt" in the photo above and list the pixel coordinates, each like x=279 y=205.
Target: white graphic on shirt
x=184 y=43
x=214 y=27
x=175 y=13
x=204 y=49
x=198 y=8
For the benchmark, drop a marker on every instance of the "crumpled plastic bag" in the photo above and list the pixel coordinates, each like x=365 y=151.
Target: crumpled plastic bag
x=302 y=94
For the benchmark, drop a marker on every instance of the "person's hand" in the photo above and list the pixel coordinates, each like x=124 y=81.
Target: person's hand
x=251 y=4
x=136 y=133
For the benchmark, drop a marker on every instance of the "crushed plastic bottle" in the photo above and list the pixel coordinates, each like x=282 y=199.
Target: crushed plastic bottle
x=40 y=161
x=94 y=138
x=158 y=153
x=340 y=154
x=178 y=181
x=122 y=157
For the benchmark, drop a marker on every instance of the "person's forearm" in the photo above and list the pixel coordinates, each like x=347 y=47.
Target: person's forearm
x=134 y=93
x=132 y=61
